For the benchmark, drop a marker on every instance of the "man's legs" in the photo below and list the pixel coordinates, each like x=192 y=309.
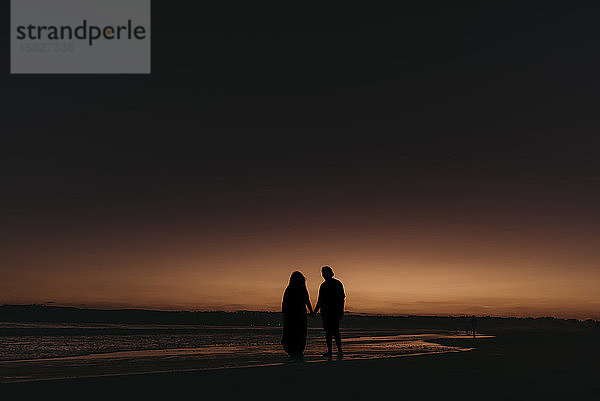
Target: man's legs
x=328 y=333
x=328 y=340
x=331 y=324
x=337 y=336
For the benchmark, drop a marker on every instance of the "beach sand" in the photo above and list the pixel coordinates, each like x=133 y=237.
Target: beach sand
x=515 y=365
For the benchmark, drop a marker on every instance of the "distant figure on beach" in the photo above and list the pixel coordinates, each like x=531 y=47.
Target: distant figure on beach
x=473 y=325
x=293 y=307
x=331 y=304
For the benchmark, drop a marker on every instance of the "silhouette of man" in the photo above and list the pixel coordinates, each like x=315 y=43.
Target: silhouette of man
x=331 y=304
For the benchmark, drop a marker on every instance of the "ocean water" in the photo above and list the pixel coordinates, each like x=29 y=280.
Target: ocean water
x=31 y=352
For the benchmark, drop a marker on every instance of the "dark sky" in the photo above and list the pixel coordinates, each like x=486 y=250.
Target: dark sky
x=460 y=131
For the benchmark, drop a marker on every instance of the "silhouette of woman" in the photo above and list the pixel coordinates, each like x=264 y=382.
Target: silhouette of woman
x=295 y=302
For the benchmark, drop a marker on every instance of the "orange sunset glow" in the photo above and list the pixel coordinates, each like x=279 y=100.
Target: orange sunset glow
x=394 y=258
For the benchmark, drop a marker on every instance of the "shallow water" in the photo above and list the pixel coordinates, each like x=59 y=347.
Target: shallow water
x=45 y=351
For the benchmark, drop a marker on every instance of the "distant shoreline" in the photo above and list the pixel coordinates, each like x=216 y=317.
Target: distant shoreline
x=59 y=314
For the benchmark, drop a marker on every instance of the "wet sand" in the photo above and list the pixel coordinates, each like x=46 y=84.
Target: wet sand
x=254 y=347
x=514 y=365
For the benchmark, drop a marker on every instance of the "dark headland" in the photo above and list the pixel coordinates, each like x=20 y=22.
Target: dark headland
x=58 y=314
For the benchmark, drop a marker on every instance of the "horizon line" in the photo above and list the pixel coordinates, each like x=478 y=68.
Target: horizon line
x=371 y=314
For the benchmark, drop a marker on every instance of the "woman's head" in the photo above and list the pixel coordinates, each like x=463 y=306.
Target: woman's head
x=297 y=280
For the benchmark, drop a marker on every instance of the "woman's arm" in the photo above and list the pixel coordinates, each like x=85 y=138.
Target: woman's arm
x=307 y=301
x=284 y=303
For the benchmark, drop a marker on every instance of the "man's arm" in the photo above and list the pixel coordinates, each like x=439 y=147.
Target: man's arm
x=342 y=299
x=318 y=306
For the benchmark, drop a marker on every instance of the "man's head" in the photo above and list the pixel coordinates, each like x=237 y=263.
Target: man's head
x=326 y=272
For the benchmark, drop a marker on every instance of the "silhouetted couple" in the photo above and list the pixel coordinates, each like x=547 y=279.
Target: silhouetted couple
x=294 y=306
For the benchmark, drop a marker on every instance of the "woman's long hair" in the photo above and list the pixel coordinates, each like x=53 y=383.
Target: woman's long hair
x=297 y=280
